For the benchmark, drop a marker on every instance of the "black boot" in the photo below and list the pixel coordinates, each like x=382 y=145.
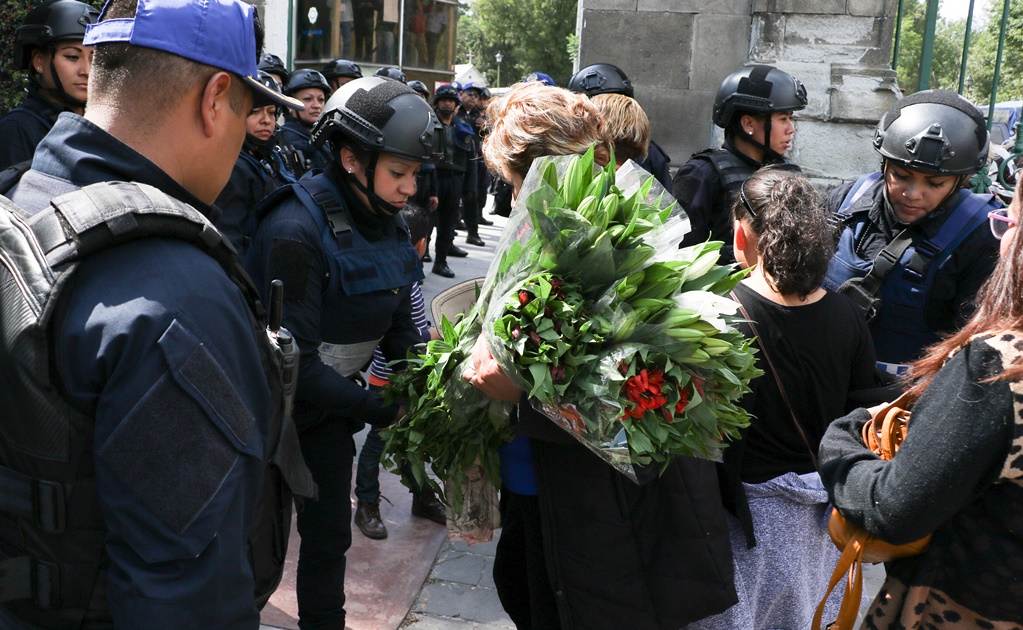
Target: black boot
x=456 y=251
x=442 y=269
x=427 y=505
x=367 y=518
x=474 y=239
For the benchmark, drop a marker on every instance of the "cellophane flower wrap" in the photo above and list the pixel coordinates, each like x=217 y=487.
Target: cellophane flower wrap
x=614 y=333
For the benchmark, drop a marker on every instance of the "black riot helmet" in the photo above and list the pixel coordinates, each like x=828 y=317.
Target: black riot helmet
x=760 y=91
x=260 y=99
x=273 y=64
x=757 y=90
x=378 y=115
x=421 y=88
x=49 y=23
x=301 y=79
x=391 y=73
x=601 y=78
x=934 y=131
x=341 y=68
x=446 y=91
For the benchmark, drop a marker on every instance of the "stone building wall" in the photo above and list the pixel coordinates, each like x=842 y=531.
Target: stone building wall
x=676 y=52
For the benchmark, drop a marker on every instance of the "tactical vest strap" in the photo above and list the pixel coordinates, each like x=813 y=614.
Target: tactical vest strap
x=50 y=586
x=730 y=169
x=36 y=500
x=107 y=214
x=325 y=198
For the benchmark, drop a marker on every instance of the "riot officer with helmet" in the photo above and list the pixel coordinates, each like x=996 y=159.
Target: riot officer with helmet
x=469 y=97
x=754 y=105
x=310 y=87
x=348 y=267
x=48 y=45
x=340 y=71
x=260 y=170
x=914 y=245
x=455 y=175
x=274 y=66
x=391 y=72
x=606 y=78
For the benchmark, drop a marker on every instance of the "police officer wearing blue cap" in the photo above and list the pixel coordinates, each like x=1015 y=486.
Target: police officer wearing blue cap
x=155 y=455
x=336 y=241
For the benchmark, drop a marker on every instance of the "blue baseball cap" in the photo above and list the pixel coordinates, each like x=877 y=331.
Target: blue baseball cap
x=541 y=77
x=218 y=33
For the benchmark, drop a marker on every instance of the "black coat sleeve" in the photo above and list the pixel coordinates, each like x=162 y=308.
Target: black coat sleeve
x=958 y=438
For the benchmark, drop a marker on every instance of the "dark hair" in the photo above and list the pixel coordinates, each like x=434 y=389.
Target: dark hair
x=152 y=82
x=794 y=239
x=418 y=221
x=999 y=308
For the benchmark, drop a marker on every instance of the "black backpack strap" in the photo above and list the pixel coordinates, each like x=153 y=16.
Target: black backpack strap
x=103 y=215
x=863 y=291
x=10 y=176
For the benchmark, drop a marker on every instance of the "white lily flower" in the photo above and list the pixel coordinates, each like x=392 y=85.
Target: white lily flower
x=710 y=306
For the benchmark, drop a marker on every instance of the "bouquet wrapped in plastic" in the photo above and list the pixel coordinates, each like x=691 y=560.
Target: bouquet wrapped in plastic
x=613 y=332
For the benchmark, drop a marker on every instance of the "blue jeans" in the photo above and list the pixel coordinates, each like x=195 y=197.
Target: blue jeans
x=367 y=474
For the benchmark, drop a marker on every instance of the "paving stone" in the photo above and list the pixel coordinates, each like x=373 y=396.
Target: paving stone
x=432 y=622
x=489 y=608
x=487 y=579
x=455 y=566
x=481 y=549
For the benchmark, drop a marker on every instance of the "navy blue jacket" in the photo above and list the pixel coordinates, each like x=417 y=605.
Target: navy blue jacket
x=656 y=163
x=300 y=138
x=176 y=493
x=252 y=179
x=23 y=128
x=289 y=245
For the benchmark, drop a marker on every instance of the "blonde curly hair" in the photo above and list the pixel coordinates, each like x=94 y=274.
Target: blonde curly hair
x=533 y=120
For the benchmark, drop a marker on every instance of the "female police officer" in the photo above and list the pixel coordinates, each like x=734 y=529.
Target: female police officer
x=49 y=46
x=914 y=246
x=348 y=267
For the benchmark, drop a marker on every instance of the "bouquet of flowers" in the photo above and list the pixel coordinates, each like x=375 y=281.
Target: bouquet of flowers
x=613 y=332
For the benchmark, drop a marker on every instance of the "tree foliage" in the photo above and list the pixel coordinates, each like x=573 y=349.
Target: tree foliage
x=531 y=35
x=948 y=50
x=12 y=79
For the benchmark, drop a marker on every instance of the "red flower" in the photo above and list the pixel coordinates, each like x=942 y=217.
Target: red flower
x=644 y=391
x=683 y=400
x=524 y=298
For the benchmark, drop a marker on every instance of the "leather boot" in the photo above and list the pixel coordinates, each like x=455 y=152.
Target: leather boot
x=457 y=252
x=367 y=518
x=474 y=239
x=427 y=505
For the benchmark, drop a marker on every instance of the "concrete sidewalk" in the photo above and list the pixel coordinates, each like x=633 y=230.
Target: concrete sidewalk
x=416 y=578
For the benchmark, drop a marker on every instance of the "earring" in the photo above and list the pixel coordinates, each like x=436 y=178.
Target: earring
x=750 y=132
x=39 y=70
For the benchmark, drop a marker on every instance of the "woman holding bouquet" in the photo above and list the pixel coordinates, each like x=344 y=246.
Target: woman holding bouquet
x=957 y=474
x=582 y=546
x=815 y=350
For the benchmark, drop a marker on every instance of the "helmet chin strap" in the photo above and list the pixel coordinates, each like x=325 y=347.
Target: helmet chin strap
x=375 y=200
x=770 y=155
x=57 y=92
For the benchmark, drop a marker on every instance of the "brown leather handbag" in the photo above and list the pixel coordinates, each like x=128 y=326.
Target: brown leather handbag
x=882 y=434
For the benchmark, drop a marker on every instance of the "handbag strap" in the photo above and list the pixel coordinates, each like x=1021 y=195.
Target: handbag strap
x=850 y=564
x=777 y=379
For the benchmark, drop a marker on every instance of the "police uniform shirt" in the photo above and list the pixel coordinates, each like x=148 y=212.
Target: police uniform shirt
x=290 y=246
x=24 y=127
x=156 y=342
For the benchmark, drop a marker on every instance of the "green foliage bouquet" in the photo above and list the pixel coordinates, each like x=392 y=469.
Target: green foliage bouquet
x=613 y=332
